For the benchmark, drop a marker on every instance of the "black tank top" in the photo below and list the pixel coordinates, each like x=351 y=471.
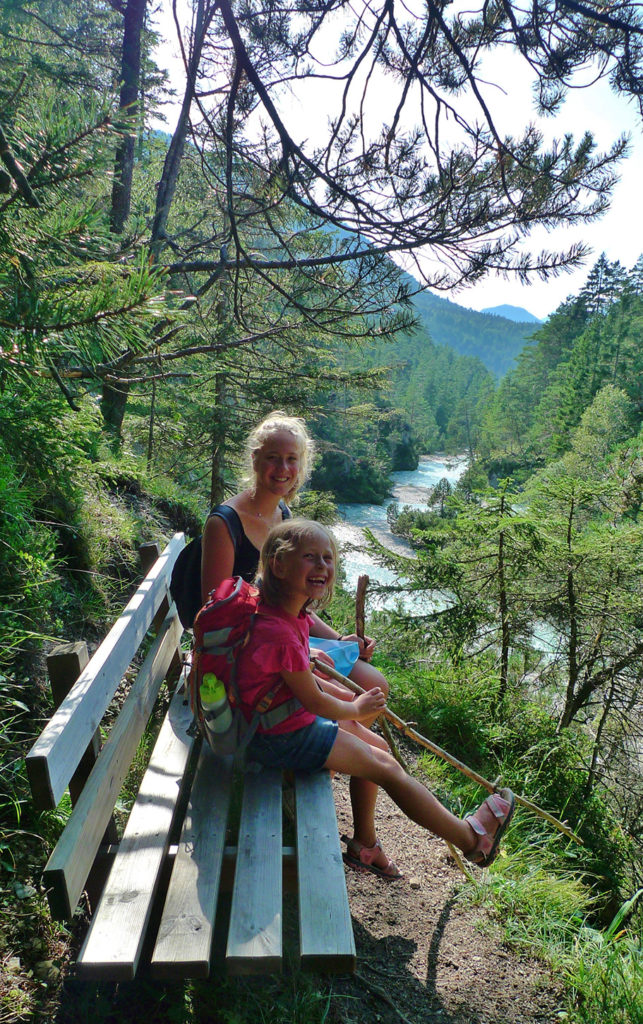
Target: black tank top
x=246 y=556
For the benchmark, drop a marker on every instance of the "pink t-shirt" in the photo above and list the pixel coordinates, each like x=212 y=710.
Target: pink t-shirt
x=277 y=641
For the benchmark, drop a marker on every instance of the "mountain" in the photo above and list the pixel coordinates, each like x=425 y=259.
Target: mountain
x=515 y=313
x=494 y=340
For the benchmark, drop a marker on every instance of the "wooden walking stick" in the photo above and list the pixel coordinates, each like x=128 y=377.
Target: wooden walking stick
x=405 y=728
x=360 y=597
x=360 y=629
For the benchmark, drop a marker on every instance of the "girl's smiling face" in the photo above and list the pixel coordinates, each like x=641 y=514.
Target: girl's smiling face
x=277 y=463
x=308 y=571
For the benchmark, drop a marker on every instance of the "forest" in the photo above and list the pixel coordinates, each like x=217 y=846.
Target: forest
x=162 y=286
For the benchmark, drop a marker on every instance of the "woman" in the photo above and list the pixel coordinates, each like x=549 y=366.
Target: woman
x=279 y=454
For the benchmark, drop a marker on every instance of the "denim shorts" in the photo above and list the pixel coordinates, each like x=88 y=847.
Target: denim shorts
x=343 y=652
x=302 y=750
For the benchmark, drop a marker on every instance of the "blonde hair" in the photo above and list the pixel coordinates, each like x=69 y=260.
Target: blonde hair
x=271 y=424
x=284 y=539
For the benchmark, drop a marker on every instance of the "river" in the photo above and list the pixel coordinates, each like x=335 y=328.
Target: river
x=412 y=488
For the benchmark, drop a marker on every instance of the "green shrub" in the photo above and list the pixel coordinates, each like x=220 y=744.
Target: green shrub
x=449 y=708
x=28 y=576
x=550 y=769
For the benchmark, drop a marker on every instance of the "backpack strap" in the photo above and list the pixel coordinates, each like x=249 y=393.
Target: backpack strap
x=269 y=719
x=232 y=521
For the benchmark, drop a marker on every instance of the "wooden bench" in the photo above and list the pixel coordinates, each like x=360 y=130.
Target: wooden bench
x=154 y=893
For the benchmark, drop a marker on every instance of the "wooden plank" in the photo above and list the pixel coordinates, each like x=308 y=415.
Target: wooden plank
x=71 y=861
x=184 y=942
x=64 y=665
x=325 y=930
x=56 y=753
x=114 y=941
x=254 y=933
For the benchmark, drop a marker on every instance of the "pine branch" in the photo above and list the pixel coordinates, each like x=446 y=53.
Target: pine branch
x=16 y=172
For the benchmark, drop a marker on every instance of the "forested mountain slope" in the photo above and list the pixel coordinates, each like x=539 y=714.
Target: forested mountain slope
x=494 y=340
x=592 y=342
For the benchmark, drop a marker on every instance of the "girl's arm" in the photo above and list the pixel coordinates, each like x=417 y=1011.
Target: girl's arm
x=318 y=702
x=217 y=555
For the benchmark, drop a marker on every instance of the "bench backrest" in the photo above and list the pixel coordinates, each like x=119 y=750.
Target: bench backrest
x=55 y=755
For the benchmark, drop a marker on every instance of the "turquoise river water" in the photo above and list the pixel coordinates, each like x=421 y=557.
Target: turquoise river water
x=410 y=488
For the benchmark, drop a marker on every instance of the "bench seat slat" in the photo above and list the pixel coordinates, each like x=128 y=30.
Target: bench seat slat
x=325 y=929
x=184 y=943
x=71 y=860
x=54 y=756
x=114 y=941
x=255 y=930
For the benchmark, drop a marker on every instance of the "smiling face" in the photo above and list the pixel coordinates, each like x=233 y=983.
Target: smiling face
x=277 y=463
x=308 y=572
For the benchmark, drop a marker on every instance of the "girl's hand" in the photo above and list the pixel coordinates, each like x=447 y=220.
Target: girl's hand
x=369 y=703
x=321 y=656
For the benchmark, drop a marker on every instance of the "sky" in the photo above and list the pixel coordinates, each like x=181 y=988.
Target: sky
x=619 y=233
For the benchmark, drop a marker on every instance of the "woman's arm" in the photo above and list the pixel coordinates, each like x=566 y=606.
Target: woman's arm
x=322 y=629
x=325 y=632
x=318 y=702
x=217 y=555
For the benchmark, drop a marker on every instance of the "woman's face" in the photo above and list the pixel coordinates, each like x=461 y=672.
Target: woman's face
x=277 y=463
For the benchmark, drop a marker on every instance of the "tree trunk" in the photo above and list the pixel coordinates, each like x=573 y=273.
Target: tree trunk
x=150 y=432
x=591 y=775
x=572 y=671
x=169 y=177
x=134 y=19
x=113 y=403
x=504 y=623
x=114 y=396
x=217 y=481
x=504 y=612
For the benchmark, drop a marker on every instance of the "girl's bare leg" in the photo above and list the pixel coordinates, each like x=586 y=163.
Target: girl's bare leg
x=352 y=756
x=363 y=792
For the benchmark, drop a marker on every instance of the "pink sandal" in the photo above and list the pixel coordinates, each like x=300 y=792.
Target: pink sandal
x=361 y=858
x=490 y=823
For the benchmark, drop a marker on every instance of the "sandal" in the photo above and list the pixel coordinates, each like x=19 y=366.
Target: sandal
x=361 y=858
x=489 y=823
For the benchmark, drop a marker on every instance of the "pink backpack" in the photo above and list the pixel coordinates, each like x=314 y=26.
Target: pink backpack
x=221 y=630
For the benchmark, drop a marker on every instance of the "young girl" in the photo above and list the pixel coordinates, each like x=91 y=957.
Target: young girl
x=297 y=572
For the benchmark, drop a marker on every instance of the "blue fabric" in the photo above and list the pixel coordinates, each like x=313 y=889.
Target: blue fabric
x=343 y=652
x=302 y=750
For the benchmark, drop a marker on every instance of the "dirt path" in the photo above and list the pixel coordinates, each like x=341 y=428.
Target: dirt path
x=423 y=957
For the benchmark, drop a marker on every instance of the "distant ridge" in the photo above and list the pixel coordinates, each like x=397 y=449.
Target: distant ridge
x=495 y=340
x=515 y=313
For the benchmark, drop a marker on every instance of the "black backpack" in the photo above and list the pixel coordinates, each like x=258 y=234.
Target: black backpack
x=185 y=582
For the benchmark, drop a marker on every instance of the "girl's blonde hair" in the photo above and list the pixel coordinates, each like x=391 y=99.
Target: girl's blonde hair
x=271 y=424
x=284 y=539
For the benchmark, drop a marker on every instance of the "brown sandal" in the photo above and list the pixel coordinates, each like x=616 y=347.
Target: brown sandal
x=489 y=824
x=360 y=858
